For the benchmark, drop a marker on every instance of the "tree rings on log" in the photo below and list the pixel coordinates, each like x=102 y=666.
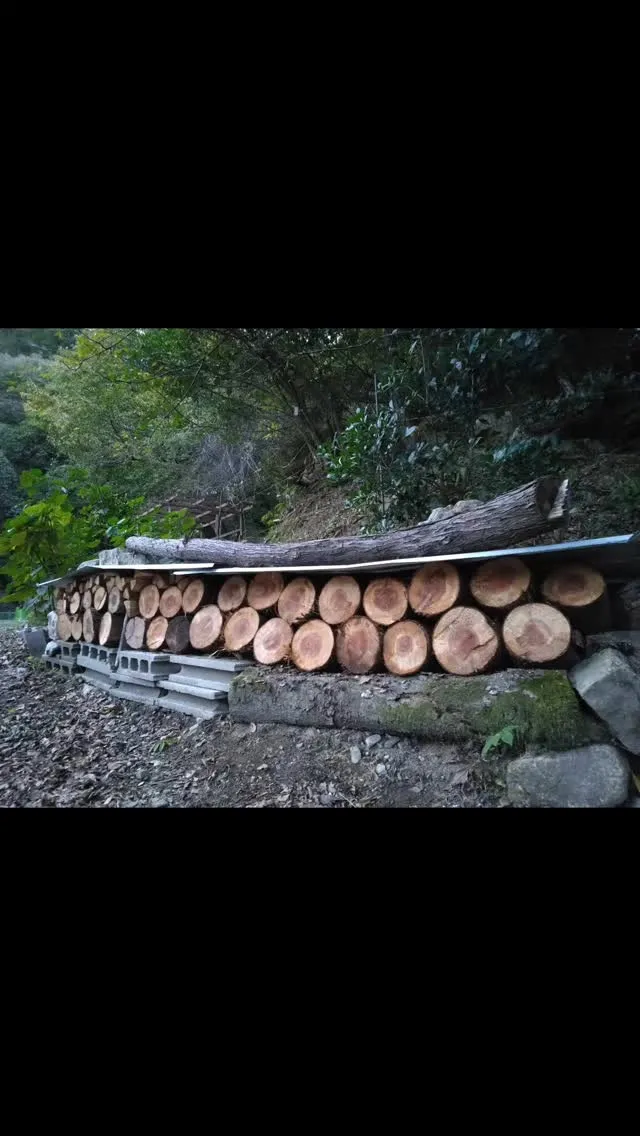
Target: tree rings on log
x=171 y=602
x=100 y=598
x=192 y=596
x=265 y=591
x=339 y=600
x=312 y=645
x=64 y=627
x=297 y=600
x=74 y=603
x=76 y=628
x=272 y=643
x=149 y=601
x=134 y=633
x=435 y=589
x=177 y=637
x=581 y=593
x=500 y=585
x=205 y=628
x=385 y=601
x=110 y=630
x=90 y=625
x=241 y=629
x=115 y=603
x=536 y=633
x=358 y=645
x=465 y=642
x=156 y=632
x=87 y=600
x=232 y=594
x=405 y=648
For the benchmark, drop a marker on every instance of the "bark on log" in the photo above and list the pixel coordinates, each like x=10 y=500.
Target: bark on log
x=500 y=585
x=206 y=628
x=465 y=642
x=297 y=601
x=358 y=645
x=272 y=643
x=241 y=629
x=527 y=512
x=385 y=601
x=134 y=633
x=91 y=625
x=339 y=600
x=406 y=648
x=580 y=592
x=536 y=633
x=232 y=594
x=171 y=602
x=110 y=630
x=435 y=589
x=177 y=637
x=156 y=632
x=193 y=595
x=312 y=646
x=265 y=590
x=149 y=601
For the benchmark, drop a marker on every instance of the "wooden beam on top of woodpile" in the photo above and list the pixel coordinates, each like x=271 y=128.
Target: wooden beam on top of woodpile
x=525 y=513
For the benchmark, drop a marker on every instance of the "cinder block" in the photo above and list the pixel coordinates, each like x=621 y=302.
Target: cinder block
x=233 y=665
x=58 y=663
x=137 y=692
x=69 y=650
x=207 y=680
x=196 y=707
x=101 y=659
x=173 y=684
x=145 y=663
x=101 y=681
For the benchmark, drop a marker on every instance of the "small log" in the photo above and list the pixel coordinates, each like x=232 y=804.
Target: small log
x=91 y=625
x=100 y=598
x=232 y=594
x=580 y=592
x=206 y=628
x=405 y=648
x=74 y=603
x=131 y=608
x=500 y=585
x=272 y=643
x=193 y=595
x=297 y=600
x=149 y=601
x=536 y=633
x=339 y=600
x=138 y=582
x=177 y=637
x=434 y=589
x=126 y=592
x=181 y=582
x=171 y=602
x=60 y=606
x=385 y=601
x=156 y=632
x=76 y=628
x=110 y=630
x=465 y=642
x=241 y=629
x=265 y=590
x=358 y=645
x=134 y=633
x=115 y=602
x=160 y=582
x=59 y=594
x=312 y=646
x=87 y=600
x=64 y=627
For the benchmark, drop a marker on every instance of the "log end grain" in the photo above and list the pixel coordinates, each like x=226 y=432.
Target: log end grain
x=339 y=600
x=500 y=584
x=574 y=586
x=265 y=590
x=465 y=642
x=192 y=596
x=110 y=630
x=171 y=602
x=149 y=601
x=358 y=645
x=156 y=632
x=272 y=643
x=232 y=594
x=536 y=633
x=313 y=645
x=178 y=634
x=434 y=589
x=134 y=633
x=241 y=629
x=405 y=648
x=206 y=628
x=385 y=601
x=297 y=600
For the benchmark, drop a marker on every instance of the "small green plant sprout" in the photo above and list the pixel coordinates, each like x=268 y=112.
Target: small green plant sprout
x=505 y=738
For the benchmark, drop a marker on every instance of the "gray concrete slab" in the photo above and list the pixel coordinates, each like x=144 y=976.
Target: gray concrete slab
x=176 y=687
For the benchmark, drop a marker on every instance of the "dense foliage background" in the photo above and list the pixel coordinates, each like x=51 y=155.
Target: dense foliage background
x=357 y=428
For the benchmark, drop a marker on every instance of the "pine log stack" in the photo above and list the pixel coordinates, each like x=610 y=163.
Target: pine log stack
x=436 y=618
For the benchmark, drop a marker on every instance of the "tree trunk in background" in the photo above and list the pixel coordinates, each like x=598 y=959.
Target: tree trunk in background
x=528 y=512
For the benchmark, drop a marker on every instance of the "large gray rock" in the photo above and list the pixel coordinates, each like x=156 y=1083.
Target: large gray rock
x=596 y=777
x=626 y=642
x=35 y=640
x=611 y=688
x=111 y=557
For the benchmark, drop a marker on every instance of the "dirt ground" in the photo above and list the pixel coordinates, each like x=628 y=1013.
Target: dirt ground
x=63 y=744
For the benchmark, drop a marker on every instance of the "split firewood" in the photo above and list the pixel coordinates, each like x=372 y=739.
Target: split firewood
x=76 y=628
x=580 y=592
x=232 y=594
x=115 y=603
x=149 y=601
x=465 y=642
x=241 y=629
x=339 y=600
x=358 y=645
x=272 y=643
x=312 y=646
x=405 y=648
x=110 y=630
x=385 y=601
x=193 y=595
x=536 y=633
x=74 y=603
x=265 y=590
x=206 y=628
x=91 y=625
x=500 y=585
x=434 y=589
x=297 y=600
x=100 y=598
x=156 y=632
x=177 y=637
x=64 y=627
x=135 y=633
x=171 y=602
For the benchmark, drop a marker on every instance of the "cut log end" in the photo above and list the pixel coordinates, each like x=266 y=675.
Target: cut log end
x=241 y=629
x=385 y=601
x=297 y=600
x=76 y=629
x=465 y=642
x=406 y=648
x=339 y=600
x=74 y=603
x=134 y=633
x=358 y=645
x=64 y=627
x=312 y=646
x=536 y=633
x=100 y=598
x=272 y=643
x=265 y=591
x=574 y=586
x=115 y=603
x=206 y=628
x=156 y=632
x=171 y=602
x=178 y=633
x=91 y=625
x=501 y=584
x=232 y=594
x=149 y=601
x=434 y=589
x=192 y=596
x=110 y=630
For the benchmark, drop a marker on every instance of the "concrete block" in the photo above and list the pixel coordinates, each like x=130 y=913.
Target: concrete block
x=196 y=707
x=145 y=663
x=212 y=695
x=595 y=777
x=57 y=663
x=611 y=688
x=104 y=682
x=137 y=692
x=207 y=680
x=232 y=665
x=101 y=659
x=69 y=650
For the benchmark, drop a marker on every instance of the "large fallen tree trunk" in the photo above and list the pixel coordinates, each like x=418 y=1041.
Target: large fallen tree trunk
x=524 y=514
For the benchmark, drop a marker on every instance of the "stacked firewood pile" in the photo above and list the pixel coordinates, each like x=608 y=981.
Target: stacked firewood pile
x=435 y=618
